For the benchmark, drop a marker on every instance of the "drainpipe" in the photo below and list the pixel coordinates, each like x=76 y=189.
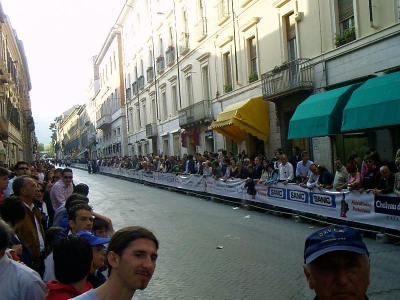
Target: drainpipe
x=234 y=43
x=371 y=17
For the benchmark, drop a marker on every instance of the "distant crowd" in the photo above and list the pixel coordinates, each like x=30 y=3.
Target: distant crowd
x=369 y=174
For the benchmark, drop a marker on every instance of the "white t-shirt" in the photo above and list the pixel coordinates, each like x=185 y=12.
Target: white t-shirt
x=89 y=295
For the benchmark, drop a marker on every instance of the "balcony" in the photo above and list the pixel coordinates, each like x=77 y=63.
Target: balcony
x=160 y=64
x=184 y=44
x=104 y=122
x=292 y=77
x=134 y=88
x=140 y=82
x=201 y=29
x=150 y=74
x=170 y=56
x=151 y=130
x=197 y=114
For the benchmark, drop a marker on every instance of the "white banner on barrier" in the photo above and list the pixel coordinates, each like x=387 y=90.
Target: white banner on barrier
x=365 y=208
x=148 y=176
x=167 y=179
x=229 y=188
x=382 y=210
x=190 y=182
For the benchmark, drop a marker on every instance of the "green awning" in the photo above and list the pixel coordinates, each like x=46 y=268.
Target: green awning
x=375 y=104
x=320 y=114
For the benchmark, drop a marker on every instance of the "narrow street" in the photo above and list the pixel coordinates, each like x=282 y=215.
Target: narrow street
x=261 y=256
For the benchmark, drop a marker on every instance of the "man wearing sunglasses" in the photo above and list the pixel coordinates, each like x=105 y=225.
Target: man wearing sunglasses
x=62 y=189
x=21 y=168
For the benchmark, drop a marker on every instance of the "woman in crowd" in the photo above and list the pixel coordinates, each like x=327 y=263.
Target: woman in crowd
x=273 y=174
x=207 y=169
x=354 y=179
x=264 y=173
x=234 y=169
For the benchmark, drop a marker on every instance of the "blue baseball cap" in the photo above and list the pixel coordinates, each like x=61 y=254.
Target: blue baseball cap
x=333 y=238
x=92 y=239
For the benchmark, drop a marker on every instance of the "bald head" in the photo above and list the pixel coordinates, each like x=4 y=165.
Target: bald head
x=385 y=172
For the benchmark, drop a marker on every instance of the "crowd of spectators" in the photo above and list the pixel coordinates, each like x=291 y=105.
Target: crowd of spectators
x=369 y=175
x=40 y=207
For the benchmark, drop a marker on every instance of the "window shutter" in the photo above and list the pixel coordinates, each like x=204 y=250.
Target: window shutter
x=346 y=9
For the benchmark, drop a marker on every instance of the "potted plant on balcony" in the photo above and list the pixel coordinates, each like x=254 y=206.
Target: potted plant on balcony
x=339 y=40
x=253 y=77
x=349 y=35
x=228 y=87
x=159 y=58
x=285 y=65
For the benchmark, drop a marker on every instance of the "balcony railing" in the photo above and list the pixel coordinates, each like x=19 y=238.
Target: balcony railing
x=184 y=44
x=134 y=88
x=170 y=56
x=198 y=113
x=150 y=74
x=151 y=130
x=201 y=29
x=104 y=121
x=292 y=77
x=160 y=64
x=140 y=82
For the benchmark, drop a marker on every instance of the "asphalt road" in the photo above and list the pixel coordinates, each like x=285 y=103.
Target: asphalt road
x=262 y=254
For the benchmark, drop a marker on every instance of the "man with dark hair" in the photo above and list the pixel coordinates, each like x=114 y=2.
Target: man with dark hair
x=17 y=280
x=340 y=180
x=20 y=168
x=294 y=159
x=12 y=211
x=336 y=263
x=302 y=168
x=81 y=189
x=31 y=230
x=61 y=190
x=62 y=212
x=79 y=218
x=73 y=257
x=131 y=258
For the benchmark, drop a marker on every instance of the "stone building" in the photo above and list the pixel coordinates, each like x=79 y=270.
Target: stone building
x=17 y=128
x=181 y=76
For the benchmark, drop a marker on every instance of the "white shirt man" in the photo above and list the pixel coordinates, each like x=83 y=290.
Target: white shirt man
x=285 y=170
x=313 y=178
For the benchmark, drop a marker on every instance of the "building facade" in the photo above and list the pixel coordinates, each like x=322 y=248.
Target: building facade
x=180 y=76
x=17 y=128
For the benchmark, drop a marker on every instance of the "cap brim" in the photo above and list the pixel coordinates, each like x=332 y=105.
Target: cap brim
x=100 y=241
x=317 y=254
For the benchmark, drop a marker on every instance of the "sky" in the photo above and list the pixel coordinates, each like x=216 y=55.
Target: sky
x=60 y=37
